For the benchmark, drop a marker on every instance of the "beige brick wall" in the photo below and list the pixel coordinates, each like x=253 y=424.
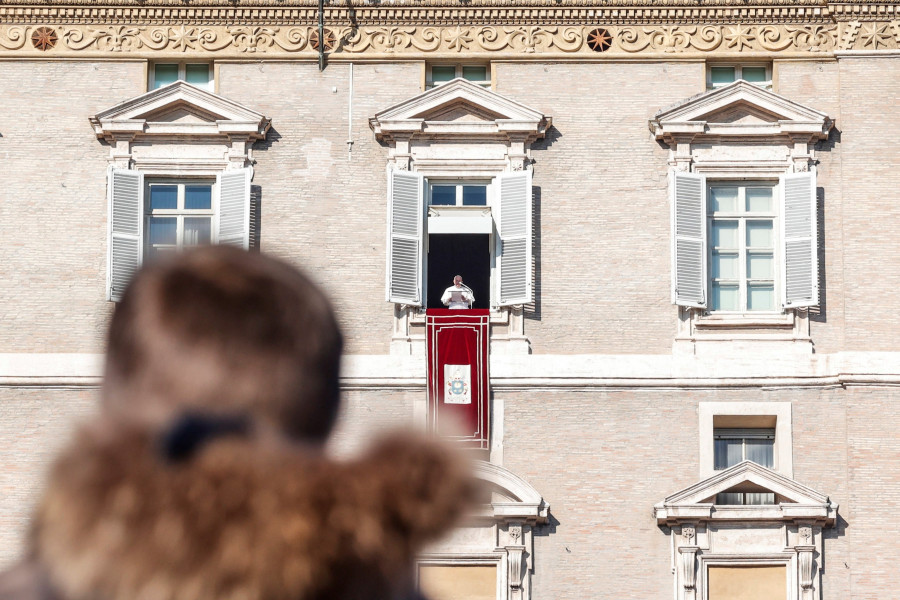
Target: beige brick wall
x=53 y=201
x=320 y=208
x=869 y=151
x=34 y=425
x=603 y=220
x=603 y=282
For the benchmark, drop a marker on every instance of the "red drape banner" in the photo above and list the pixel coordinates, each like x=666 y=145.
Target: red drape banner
x=458 y=391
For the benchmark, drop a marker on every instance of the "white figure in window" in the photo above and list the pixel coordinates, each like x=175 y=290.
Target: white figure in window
x=458 y=295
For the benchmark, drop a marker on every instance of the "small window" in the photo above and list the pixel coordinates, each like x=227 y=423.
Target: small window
x=179 y=215
x=718 y=75
x=198 y=74
x=438 y=74
x=458 y=194
x=742 y=242
x=733 y=446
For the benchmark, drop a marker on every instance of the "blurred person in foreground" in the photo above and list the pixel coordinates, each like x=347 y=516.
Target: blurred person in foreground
x=204 y=476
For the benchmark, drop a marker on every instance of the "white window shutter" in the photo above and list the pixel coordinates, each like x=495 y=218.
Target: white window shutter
x=125 y=191
x=234 y=207
x=514 y=227
x=406 y=217
x=799 y=250
x=688 y=239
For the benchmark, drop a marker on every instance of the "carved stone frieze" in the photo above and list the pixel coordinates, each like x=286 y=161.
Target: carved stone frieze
x=416 y=28
x=522 y=41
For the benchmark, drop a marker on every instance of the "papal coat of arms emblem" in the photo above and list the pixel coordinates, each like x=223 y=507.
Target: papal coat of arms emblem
x=457 y=384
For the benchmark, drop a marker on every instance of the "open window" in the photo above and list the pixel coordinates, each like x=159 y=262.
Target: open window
x=744 y=208
x=459 y=200
x=179 y=175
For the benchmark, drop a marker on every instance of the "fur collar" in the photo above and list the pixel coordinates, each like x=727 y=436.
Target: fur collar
x=241 y=519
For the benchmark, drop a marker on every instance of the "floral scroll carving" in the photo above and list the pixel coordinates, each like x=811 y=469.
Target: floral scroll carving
x=489 y=40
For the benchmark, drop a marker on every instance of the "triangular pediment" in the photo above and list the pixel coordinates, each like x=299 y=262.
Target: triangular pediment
x=180 y=108
x=459 y=108
x=739 y=109
x=793 y=499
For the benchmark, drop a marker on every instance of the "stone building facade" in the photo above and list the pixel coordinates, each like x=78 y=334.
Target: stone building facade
x=694 y=357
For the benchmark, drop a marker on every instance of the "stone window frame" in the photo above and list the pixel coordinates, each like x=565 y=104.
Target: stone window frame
x=495 y=143
x=740 y=132
x=149 y=138
x=746 y=415
x=504 y=528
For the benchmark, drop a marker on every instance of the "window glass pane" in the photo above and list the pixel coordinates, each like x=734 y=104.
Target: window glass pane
x=760 y=266
x=757 y=498
x=725 y=297
x=163 y=197
x=760 y=234
x=197 y=74
x=721 y=75
x=444 y=73
x=761 y=452
x=163 y=230
x=164 y=75
x=754 y=74
x=727 y=452
x=196 y=231
x=724 y=266
x=760 y=297
x=730 y=498
x=474 y=195
x=474 y=73
x=725 y=234
x=724 y=449
x=723 y=199
x=759 y=199
x=197 y=197
x=443 y=195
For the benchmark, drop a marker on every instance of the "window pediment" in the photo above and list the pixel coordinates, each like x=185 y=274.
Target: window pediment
x=737 y=110
x=796 y=501
x=459 y=108
x=179 y=109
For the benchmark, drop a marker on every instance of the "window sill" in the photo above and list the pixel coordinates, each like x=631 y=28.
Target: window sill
x=712 y=321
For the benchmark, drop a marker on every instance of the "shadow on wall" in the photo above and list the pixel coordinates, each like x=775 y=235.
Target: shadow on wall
x=819 y=313
x=833 y=533
x=533 y=310
x=272 y=137
x=255 y=216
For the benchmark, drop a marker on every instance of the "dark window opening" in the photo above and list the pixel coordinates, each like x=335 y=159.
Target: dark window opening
x=451 y=254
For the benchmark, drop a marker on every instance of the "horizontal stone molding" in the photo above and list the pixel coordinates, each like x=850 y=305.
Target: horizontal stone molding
x=45 y=39
x=537 y=371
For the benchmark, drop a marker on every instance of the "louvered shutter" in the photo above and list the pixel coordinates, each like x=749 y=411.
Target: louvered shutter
x=234 y=207
x=125 y=191
x=798 y=240
x=688 y=239
x=514 y=227
x=405 y=224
